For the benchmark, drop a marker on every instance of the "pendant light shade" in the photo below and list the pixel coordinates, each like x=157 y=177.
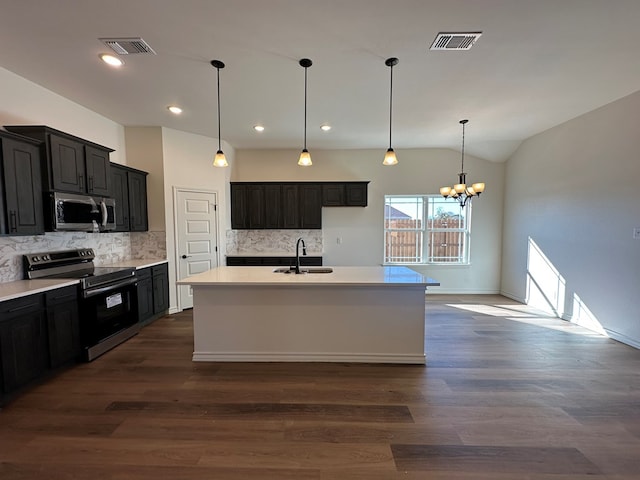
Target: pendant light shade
x=305 y=156
x=390 y=156
x=220 y=160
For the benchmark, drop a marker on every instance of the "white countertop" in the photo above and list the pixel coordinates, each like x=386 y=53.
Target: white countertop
x=137 y=264
x=21 y=288
x=355 y=276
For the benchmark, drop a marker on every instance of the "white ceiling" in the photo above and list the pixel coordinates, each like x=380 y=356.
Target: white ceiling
x=538 y=63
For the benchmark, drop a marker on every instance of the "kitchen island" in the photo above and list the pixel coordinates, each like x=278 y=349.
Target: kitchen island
x=353 y=314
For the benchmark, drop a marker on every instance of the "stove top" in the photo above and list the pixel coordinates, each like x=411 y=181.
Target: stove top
x=72 y=264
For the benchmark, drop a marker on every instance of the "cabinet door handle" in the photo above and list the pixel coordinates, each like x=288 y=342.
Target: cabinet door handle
x=13 y=223
x=81 y=182
x=90 y=184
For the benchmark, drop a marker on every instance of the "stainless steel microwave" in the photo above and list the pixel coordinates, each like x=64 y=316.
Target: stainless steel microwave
x=83 y=213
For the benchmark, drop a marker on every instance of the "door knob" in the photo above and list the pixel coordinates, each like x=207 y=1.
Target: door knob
x=186 y=256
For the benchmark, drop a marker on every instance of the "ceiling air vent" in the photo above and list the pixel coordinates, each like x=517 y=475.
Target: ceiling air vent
x=128 y=46
x=455 y=41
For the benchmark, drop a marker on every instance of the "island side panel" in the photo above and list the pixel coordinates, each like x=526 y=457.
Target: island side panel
x=379 y=324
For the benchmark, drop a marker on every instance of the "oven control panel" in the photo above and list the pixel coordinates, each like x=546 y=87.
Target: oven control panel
x=45 y=260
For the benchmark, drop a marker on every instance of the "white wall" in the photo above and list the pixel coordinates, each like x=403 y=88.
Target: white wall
x=420 y=171
x=188 y=162
x=573 y=190
x=25 y=103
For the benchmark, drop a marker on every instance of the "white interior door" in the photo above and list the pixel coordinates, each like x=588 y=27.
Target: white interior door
x=197 y=237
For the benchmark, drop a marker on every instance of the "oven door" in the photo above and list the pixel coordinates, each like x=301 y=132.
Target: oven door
x=109 y=316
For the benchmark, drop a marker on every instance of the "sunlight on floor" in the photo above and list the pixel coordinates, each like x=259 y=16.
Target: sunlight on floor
x=530 y=316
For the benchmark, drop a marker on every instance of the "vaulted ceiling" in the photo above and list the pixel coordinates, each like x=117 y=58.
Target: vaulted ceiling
x=537 y=64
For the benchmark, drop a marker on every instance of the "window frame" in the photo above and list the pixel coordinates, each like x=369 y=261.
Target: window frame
x=426 y=231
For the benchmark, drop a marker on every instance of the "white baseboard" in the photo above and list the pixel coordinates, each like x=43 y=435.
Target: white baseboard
x=619 y=337
x=308 y=357
x=457 y=291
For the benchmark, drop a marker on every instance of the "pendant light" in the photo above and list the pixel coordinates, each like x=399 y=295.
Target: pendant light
x=305 y=157
x=460 y=191
x=220 y=160
x=390 y=156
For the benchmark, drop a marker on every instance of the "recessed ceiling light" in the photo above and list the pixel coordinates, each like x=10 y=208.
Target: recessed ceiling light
x=258 y=128
x=111 y=60
x=174 y=109
x=325 y=127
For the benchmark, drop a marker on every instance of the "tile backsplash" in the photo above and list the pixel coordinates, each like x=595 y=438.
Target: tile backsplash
x=109 y=248
x=252 y=242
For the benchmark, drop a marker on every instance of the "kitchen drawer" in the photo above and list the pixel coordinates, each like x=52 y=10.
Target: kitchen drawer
x=61 y=295
x=22 y=305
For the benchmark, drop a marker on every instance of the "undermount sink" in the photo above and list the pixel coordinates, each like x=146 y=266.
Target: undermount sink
x=304 y=270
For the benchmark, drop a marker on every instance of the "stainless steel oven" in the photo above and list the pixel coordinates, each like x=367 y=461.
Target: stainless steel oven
x=108 y=296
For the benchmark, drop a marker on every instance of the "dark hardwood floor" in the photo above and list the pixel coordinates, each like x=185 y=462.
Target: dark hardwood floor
x=506 y=394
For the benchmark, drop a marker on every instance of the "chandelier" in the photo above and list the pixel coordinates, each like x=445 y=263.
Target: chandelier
x=460 y=191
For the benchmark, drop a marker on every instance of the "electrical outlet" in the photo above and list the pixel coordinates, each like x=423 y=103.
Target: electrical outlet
x=636 y=233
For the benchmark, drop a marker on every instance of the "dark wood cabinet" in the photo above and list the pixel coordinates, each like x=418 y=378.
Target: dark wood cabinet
x=129 y=189
x=69 y=163
x=310 y=199
x=356 y=194
x=98 y=170
x=255 y=206
x=23 y=341
x=66 y=164
x=138 y=217
x=153 y=292
x=344 y=194
x=160 y=277
x=273 y=206
x=120 y=192
x=63 y=326
x=290 y=216
x=145 y=294
x=239 y=206
x=272 y=261
x=290 y=205
x=21 y=210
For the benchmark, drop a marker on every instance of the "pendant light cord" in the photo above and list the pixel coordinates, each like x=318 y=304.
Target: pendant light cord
x=390 y=103
x=463 y=147
x=219 y=141
x=463 y=123
x=305 y=108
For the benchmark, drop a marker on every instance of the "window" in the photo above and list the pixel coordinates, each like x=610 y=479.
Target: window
x=426 y=229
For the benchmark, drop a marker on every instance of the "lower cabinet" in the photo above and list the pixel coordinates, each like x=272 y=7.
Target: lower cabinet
x=38 y=333
x=153 y=292
x=24 y=348
x=63 y=322
x=160 y=276
x=305 y=261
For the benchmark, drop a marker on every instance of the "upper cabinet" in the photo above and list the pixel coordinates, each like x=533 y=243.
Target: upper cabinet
x=71 y=164
x=129 y=189
x=344 y=194
x=20 y=186
x=290 y=205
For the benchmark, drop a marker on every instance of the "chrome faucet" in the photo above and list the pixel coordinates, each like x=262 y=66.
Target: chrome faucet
x=304 y=252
